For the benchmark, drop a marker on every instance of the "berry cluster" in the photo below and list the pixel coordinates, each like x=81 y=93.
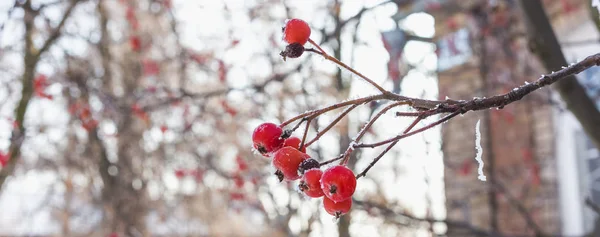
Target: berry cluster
x=296 y=33
x=336 y=184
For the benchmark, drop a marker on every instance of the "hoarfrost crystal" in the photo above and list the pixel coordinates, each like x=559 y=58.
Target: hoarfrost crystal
x=479 y=152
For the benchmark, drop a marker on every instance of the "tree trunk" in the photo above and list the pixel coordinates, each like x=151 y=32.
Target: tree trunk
x=545 y=45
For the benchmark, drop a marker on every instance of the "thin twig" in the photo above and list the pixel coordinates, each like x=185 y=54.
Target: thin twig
x=385 y=151
x=431 y=107
x=396 y=138
x=367 y=126
x=341 y=64
x=332 y=160
x=333 y=123
x=388 y=148
x=463 y=106
x=408 y=114
x=592 y=205
x=305 y=133
x=298 y=124
x=318 y=112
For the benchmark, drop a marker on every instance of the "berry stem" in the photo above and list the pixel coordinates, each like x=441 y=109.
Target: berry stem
x=388 y=148
x=333 y=123
x=431 y=125
x=317 y=46
x=297 y=125
x=314 y=113
x=305 y=133
x=331 y=161
x=364 y=130
x=341 y=64
x=408 y=114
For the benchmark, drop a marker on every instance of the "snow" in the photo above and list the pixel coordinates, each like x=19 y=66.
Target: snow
x=479 y=152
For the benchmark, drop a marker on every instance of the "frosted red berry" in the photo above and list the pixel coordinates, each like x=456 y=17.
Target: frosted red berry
x=311 y=183
x=337 y=209
x=338 y=183
x=294 y=142
x=267 y=138
x=296 y=31
x=287 y=160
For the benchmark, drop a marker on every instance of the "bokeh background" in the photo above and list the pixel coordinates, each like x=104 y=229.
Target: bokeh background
x=134 y=117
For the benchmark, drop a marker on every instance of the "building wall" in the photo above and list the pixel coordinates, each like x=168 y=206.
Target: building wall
x=577 y=158
x=523 y=135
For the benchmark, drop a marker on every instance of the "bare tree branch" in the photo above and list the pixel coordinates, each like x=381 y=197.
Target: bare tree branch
x=30 y=61
x=427 y=108
x=56 y=31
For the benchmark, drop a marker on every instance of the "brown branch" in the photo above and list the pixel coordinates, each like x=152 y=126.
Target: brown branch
x=385 y=151
x=205 y=95
x=30 y=61
x=332 y=160
x=56 y=31
x=364 y=130
x=431 y=107
x=592 y=205
x=318 y=112
x=305 y=133
x=341 y=64
x=498 y=101
x=388 y=148
x=333 y=123
x=396 y=138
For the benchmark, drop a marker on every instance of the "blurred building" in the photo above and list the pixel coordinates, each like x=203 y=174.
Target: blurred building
x=539 y=164
x=577 y=157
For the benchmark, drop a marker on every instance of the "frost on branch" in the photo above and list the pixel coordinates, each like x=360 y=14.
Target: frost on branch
x=479 y=152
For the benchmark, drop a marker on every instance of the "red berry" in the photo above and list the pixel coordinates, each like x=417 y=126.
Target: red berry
x=294 y=142
x=337 y=209
x=179 y=173
x=150 y=67
x=287 y=160
x=266 y=138
x=311 y=183
x=4 y=157
x=241 y=163
x=296 y=31
x=135 y=43
x=338 y=183
x=238 y=181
